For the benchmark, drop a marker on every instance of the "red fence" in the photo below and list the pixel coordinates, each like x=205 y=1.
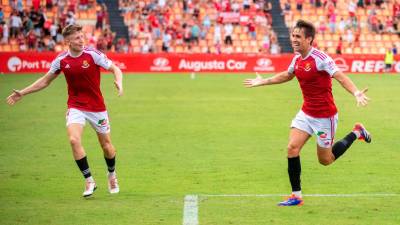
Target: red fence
x=40 y=62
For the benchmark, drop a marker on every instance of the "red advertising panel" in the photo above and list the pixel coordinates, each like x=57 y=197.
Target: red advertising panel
x=40 y=62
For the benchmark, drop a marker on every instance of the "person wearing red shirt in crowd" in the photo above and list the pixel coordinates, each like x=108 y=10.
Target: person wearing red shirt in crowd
x=81 y=67
x=396 y=9
x=31 y=40
x=314 y=70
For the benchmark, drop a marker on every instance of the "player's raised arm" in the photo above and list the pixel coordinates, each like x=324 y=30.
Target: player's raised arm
x=117 y=78
x=277 y=79
x=38 y=85
x=348 y=84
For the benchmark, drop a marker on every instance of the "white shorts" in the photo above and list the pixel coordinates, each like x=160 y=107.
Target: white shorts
x=98 y=120
x=324 y=128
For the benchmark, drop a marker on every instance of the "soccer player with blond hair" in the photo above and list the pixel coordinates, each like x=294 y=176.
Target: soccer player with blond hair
x=81 y=67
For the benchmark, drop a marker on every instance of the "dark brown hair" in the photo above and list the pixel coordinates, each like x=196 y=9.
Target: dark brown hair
x=309 y=29
x=71 y=29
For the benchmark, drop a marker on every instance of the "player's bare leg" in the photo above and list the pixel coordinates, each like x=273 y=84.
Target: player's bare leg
x=109 y=156
x=297 y=139
x=75 y=131
x=325 y=155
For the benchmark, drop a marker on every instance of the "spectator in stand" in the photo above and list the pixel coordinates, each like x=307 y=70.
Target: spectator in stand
x=389 y=25
x=228 y=28
x=27 y=24
x=342 y=25
x=20 y=7
x=187 y=36
x=267 y=10
x=287 y=8
x=6 y=33
x=32 y=39
x=235 y=6
x=246 y=4
x=360 y=3
x=15 y=24
x=352 y=7
x=100 y=18
x=251 y=27
x=49 y=4
x=332 y=23
x=299 y=6
x=396 y=9
x=339 y=46
x=51 y=45
x=60 y=7
x=266 y=43
x=70 y=18
x=275 y=49
x=349 y=37
x=21 y=41
x=322 y=27
x=195 y=31
x=83 y=4
x=53 y=31
x=166 y=42
x=1 y=15
x=217 y=34
x=394 y=49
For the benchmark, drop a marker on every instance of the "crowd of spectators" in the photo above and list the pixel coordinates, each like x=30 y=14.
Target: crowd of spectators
x=37 y=25
x=199 y=25
x=349 y=19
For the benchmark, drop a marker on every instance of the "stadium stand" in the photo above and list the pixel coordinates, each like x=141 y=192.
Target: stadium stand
x=362 y=27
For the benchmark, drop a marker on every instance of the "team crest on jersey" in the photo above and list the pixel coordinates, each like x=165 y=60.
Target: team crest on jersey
x=307 y=67
x=85 y=64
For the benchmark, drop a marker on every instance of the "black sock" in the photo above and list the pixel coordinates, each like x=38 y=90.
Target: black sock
x=84 y=167
x=341 y=146
x=110 y=164
x=294 y=170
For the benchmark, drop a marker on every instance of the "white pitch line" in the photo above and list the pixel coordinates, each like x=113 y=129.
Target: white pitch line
x=306 y=195
x=191 y=210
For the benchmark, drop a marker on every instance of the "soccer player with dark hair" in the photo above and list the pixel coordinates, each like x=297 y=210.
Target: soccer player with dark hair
x=81 y=67
x=314 y=71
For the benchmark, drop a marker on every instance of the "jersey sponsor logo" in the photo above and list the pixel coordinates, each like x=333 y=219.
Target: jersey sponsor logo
x=67 y=66
x=85 y=64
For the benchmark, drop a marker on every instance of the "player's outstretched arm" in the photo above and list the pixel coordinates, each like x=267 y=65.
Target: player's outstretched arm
x=38 y=85
x=347 y=83
x=277 y=79
x=117 y=78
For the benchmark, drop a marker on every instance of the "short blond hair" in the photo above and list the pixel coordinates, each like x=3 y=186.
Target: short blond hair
x=71 y=29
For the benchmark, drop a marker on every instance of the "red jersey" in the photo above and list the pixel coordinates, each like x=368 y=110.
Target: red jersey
x=314 y=73
x=82 y=74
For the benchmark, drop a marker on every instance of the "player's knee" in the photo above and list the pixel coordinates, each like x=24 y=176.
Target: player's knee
x=107 y=146
x=74 y=141
x=293 y=150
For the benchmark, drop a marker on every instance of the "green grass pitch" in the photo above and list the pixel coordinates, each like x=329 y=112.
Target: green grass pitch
x=209 y=135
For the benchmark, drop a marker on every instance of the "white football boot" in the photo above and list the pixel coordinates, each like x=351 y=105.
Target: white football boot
x=89 y=188
x=113 y=186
